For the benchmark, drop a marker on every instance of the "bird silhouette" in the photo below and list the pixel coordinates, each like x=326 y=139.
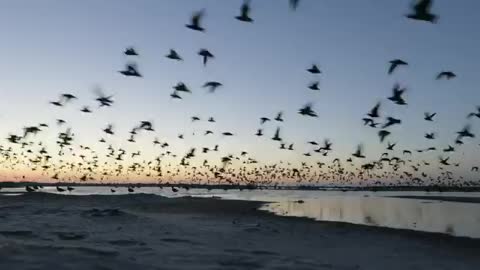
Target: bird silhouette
x=314 y=69
x=212 y=85
x=195 y=21
x=429 y=116
x=294 y=4
x=181 y=87
x=307 y=110
x=205 y=55
x=391 y=121
x=397 y=95
x=383 y=134
x=394 y=64
x=374 y=111
x=85 y=109
x=172 y=54
x=314 y=86
x=130 y=51
x=131 y=70
x=430 y=136
x=358 y=153
x=279 y=117
x=446 y=75
x=276 y=137
x=421 y=11
x=245 y=12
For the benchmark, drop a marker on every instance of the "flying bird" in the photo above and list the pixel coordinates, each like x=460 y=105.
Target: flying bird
x=212 y=85
x=358 y=153
x=446 y=75
x=130 y=51
x=307 y=110
x=421 y=11
x=206 y=55
x=396 y=63
x=314 y=69
x=195 y=21
x=429 y=116
x=174 y=55
x=244 y=12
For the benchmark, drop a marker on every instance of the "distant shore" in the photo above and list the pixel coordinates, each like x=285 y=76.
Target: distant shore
x=443 y=198
x=251 y=187
x=140 y=231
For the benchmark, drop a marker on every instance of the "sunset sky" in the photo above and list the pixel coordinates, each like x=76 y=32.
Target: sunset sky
x=62 y=46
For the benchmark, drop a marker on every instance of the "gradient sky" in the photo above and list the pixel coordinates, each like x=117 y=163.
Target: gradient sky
x=55 y=46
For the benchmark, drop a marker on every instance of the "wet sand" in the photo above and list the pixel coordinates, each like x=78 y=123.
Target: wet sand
x=47 y=231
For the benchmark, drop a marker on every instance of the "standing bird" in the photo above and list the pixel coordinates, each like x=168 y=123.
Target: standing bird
x=421 y=12
x=205 y=54
x=244 y=12
x=394 y=64
x=195 y=21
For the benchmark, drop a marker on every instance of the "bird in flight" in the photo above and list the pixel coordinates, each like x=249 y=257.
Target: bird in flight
x=212 y=86
x=383 y=134
x=429 y=116
x=307 y=110
x=391 y=121
x=397 y=95
x=294 y=4
x=394 y=64
x=358 y=153
x=276 y=137
x=421 y=11
x=314 y=86
x=374 y=111
x=314 y=69
x=181 y=87
x=206 y=55
x=279 y=117
x=244 y=12
x=446 y=75
x=130 y=51
x=195 y=21
x=131 y=71
x=174 y=55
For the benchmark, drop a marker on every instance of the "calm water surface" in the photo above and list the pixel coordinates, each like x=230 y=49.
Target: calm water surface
x=367 y=208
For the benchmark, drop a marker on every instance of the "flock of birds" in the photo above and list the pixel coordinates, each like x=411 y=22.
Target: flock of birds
x=394 y=167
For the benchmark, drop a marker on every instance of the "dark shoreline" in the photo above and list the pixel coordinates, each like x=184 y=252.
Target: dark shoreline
x=253 y=187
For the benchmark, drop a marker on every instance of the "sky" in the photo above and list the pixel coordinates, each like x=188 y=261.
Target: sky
x=57 y=46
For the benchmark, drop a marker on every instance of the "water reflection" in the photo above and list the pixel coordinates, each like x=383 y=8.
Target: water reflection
x=458 y=219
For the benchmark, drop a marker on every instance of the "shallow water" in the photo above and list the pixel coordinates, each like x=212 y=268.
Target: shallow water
x=367 y=208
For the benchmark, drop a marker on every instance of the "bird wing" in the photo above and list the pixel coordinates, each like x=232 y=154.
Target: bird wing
x=422 y=6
